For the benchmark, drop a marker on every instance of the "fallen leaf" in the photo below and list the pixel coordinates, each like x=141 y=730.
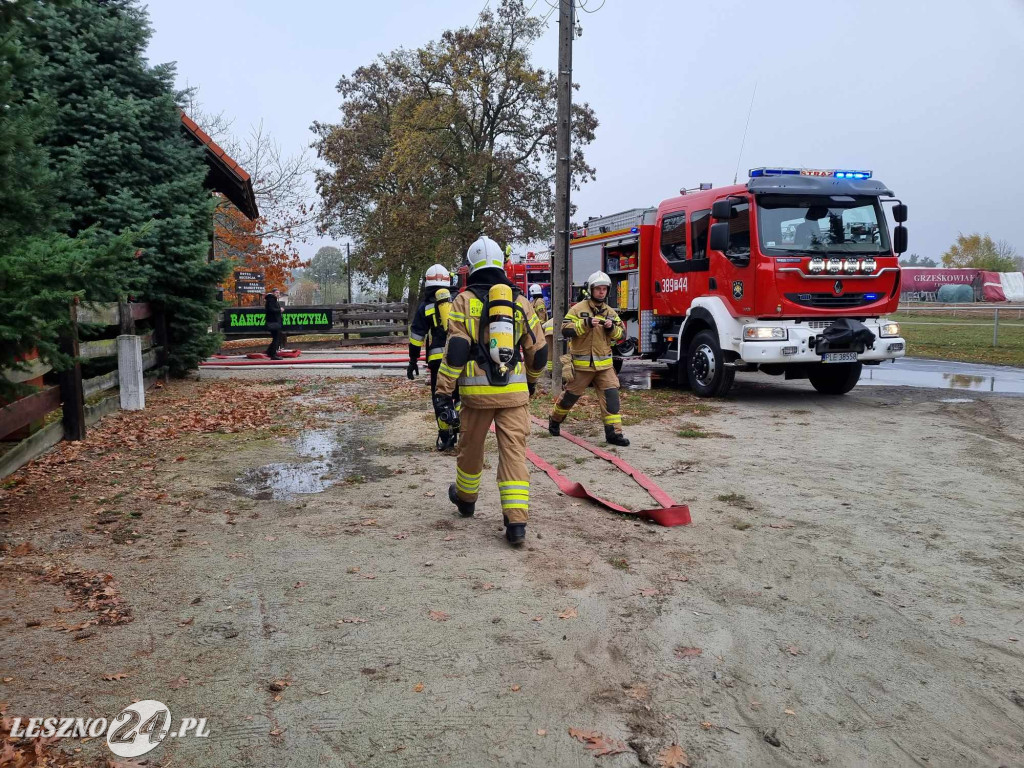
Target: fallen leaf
x=299 y=585
x=430 y=494
x=516 y=688
x=369 y=576
x=568 y=613
x=707 y=726
x=673 y=757
x=789 y=711
x=116 y=676
x=537 y=618
x=439 y=616
x=186 y=622
x=401 y=535
x=418 y=688
x=22 y=549
x=677 y=577
x=180 y=682
x=180 y=458
x=649 y=592
x=957 y=621
x=638 y=692
x=598 y=743
x=792 y=650
x=352 y=620
x=542 y=732
x=448 y=538
x=687 y=652
x=277 y=732
x=352 y=569
x=371 y=521
x=8 y=679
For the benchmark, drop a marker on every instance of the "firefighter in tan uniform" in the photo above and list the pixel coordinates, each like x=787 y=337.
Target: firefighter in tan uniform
x=537 y=302
x=592 y=327
x=495 y=353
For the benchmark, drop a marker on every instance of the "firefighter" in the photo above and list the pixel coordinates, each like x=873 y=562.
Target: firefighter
x=494 y=355
x=430 y=327
x=592 y=327
x=537 y=300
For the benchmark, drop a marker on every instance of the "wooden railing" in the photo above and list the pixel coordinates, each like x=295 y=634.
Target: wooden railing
x=71 y=391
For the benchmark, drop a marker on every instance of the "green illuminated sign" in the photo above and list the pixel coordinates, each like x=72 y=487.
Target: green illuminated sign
x=295 y=319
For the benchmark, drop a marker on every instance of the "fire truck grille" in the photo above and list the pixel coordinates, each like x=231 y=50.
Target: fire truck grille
x=830 y=300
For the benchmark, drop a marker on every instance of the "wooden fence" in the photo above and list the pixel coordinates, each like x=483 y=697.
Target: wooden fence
x=352 y=324
x=80 y=400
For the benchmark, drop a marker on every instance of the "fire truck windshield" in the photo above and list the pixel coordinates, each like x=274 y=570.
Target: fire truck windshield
x=789 y=224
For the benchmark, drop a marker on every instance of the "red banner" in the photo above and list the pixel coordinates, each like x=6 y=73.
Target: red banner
x=931 y=279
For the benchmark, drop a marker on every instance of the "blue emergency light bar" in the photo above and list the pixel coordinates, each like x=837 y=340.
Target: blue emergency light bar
x=756 y=173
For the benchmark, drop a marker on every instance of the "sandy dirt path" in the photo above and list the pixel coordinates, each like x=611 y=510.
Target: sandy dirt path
x=849 y=594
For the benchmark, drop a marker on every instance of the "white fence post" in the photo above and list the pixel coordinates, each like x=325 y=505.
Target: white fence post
x=995 y=328
x=129 y=373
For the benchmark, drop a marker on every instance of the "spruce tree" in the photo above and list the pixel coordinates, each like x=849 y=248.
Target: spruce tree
x=42 y=270
x=115 y=134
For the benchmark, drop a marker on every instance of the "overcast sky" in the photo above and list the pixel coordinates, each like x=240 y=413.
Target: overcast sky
x=929 y=94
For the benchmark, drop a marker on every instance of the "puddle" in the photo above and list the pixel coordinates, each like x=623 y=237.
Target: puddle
x=334 y=458
x=938 y=374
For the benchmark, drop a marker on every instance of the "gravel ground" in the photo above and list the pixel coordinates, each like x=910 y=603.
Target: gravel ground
x=849 y=593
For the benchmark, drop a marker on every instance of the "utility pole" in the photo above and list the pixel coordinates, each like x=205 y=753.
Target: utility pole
x=348 y=268
x=563 y=127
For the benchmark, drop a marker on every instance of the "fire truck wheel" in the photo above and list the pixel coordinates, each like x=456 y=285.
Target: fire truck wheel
x=835 y=378
x=705 y=366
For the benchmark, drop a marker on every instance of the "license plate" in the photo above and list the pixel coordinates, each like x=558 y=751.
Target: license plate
x=839 y=357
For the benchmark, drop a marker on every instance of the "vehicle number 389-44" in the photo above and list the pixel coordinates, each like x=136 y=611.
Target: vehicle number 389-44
x=672 y=284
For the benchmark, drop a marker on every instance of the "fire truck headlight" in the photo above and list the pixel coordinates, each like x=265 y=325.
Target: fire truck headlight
x=888 y=330
x=764 y=333
x=816 y=265
x=834 y=265
x=869 y=265
x=851 y=266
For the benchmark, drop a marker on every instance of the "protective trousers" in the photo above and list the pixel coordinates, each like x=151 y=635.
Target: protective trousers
x=511 y=426
x=607 y=385
x=434 y=366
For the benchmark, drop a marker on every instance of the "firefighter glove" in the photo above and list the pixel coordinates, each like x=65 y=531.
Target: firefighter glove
x=413 y=370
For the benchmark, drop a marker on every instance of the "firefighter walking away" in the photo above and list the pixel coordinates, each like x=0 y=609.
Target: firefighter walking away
x=429 y=330
x=494 y=356
x=592 y=327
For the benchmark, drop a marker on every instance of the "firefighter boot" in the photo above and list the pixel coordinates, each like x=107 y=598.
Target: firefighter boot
x=515 y=533
x=554 y=428
x=446 y=439
x=466 y=508
x=613 y=437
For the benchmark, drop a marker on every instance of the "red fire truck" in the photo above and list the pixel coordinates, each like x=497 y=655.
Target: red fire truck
x=791 y=274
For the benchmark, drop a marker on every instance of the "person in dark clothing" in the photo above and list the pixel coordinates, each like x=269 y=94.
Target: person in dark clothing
x=275 y=324
x=430 y=329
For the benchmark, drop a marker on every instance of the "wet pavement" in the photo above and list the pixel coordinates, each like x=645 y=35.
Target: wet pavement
x=946 y=374
x=905 y=372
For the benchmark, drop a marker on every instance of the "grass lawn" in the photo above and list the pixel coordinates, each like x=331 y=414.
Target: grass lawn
x=964 y=338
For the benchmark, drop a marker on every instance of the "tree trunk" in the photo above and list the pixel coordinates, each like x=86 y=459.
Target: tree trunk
x=397 y=280
x=414 y=299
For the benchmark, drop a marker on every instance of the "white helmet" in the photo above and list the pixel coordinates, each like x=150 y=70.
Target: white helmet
x=437 y=275
x=598 y=278
x=485 y=253
x=536 y=291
